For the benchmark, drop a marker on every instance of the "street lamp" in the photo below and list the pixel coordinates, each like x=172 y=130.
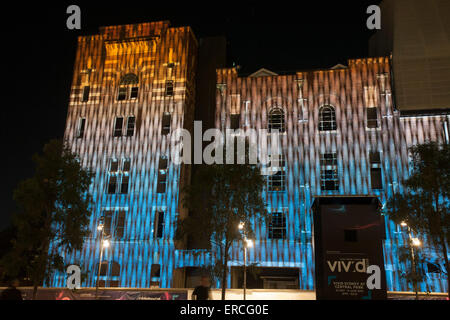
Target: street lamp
x=248 y=243
x=104 y=243
x=415 y=242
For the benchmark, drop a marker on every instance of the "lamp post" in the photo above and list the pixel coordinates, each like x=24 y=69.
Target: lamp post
x=104 y=243
x=248 y=243
x=414 y=242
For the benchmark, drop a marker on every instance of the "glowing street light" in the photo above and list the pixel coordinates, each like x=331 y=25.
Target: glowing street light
x=106 y=243
x=416 y=242
x=249 y=243
x=403 y=224
x=241 y=226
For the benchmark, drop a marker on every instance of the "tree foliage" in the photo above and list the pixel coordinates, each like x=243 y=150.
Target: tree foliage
x=54 y=210
x=221 y=197
x=424 y=202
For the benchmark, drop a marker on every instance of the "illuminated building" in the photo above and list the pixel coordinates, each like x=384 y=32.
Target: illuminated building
x=134 y=84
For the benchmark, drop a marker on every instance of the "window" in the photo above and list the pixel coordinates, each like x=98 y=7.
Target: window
x=161 y=188
x=128 y=88
x=167 y=118
x=120 y=229
x=169 y=88
x=86 y=90
x=159 y=223
x=81 y=127
x=126 y=165
x=277 y=225
x=107 y=221
x=131 y=121
x=124 y=184
x=112 y=185
x=134 y=92
x=115 y=269
x=118 y=127
x=350 y=235
x=329 y=180
x=103 y=269
x=276 y=120
x=162 y=166
x=433 y=268
x=376 y=179
x=327 y=118
x=372 y=118
x=122 y=93
x=277 y=181
x=235 y=121
x=374 y=157
x=119 y=176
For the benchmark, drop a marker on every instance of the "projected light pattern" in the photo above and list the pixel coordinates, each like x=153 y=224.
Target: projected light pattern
x=365 y=121
x=144 y=72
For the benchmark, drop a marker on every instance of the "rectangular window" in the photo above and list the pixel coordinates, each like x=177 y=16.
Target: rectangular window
x=167 y=118
x=114 y=166
x=277 y=181
x=120 y=230
x=329 y=180
x=107 y=221
x=350 y=235
x=134 y=92
x=126 y=165
x=374 y=157
x=161 y=188
x=112 y=185
x=162 y=166
x=118 y=127
x=86 y=90
x=235 y=121
x=376 y=179
x=131 y=121
x=159 y=224
x=169 y=88
x=277 y=226
x=81 y=127
x=372 y=118
x=122 y=93
x=124 y=184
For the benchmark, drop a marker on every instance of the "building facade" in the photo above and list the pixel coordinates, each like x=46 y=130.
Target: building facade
x=341 y=134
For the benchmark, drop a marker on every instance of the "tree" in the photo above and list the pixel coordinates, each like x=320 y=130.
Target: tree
x=413 y=260
x=424 y=203
x=221 y=197
x=53 y=214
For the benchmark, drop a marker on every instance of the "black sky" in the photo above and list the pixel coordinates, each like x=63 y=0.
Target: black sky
x=40 y=52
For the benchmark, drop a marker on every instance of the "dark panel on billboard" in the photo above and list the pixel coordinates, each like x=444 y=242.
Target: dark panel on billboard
x=348 y=234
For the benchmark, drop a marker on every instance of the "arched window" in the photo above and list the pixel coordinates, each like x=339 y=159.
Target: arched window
x=128 y=87
x=327 y=118
x=276 y=120
x=115 y=269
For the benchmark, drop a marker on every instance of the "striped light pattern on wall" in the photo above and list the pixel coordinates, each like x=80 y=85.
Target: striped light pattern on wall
x=365 y=121
x=159 y=61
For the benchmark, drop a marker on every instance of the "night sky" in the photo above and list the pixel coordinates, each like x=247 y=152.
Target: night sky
x=40 y=52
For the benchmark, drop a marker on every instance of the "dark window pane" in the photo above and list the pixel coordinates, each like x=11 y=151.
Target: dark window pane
x=115 y=269
x=327 y=119
x=433 y=268
x=103 y=268
x=134 y=92
x=376 y=178
x=276 y=120
x=160 y=224
x=112 y=184
x=124 y=185
x=277 y=226
x=118 y=127
x=161 y=188
x=372 y=118
x=114 y=166
x=235 y=121
x=162 y=167
x=86 y=90
x=126 y=165
x=155 y=271
x=122 y=93
x=82 y=125
x=169 y=88
x=166 y=123
x=120 y=224
x=130 y=126
x=374 y=157
x=107 y=221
